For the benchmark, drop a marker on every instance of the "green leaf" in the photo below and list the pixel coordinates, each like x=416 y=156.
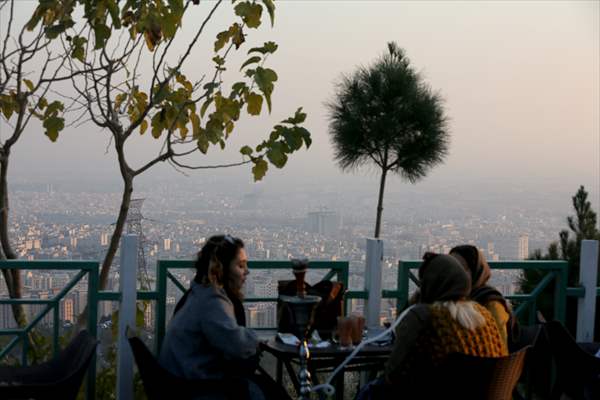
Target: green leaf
x=259 y=169
x=143 y=127
x=53 y=126
x=158 y=124
x=254 y=102
x=202 y=143
x=113 y=9
x=222 y=39
x=250 y=13
x=267 y=48
x=205 y=106
x=195 y=125
x=78 y=52
x=101 y=34
x=29 y=84
x=246 y=150
x=276 y=154
x=249 y=61
x=270 y=9
x=264 y=78
x=298 y=118
x=293 y=138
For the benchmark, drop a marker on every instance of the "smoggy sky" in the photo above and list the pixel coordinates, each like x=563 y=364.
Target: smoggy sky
x=520 y=82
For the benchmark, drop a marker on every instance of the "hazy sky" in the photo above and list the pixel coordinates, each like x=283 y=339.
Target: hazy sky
x=520 y=81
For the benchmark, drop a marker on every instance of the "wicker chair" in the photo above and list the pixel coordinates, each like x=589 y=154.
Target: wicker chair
x=59 y=378
x=470 y=378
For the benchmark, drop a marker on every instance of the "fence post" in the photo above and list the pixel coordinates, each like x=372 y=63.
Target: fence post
x=373 y=281
x=128 y=273
x=586 y=306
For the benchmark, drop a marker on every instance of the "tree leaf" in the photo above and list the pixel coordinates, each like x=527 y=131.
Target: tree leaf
x=276 y=154
x=53 y=126
x=246 y=150
x=101 y=35
x=29 y=84
x=264 y=78
x=78 y=52
x=205 y=106
x=267 y=48
x=253 y=59
x=203 y=143
x=259 y=169
x=143 y=127
x=298 y=118
x=195 y=125
x=250 y=13
x=270 y=6
x=254 y=102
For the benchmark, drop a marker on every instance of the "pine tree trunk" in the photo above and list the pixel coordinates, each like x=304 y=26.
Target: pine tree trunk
x=380 y=202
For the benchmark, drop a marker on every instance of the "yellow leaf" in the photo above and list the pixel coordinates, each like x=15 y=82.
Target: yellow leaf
x=29 y=84
x=143 y=127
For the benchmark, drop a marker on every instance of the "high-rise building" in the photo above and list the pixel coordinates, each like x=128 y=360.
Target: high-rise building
x=323 y=222
x=523 y=246
x=167 y=244
x=104 y=239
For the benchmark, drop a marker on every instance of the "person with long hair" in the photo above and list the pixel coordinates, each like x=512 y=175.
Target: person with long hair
x=207 y=337
x=444 y=321
x=474 y=262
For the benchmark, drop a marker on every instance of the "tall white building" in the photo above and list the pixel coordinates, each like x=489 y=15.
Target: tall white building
x=323 y=222
x=523 y=246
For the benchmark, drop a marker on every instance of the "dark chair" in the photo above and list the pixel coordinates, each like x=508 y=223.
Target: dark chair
x=468 y=377
x=59 y=378
x=577 y=371
x=160 y=384
x=459 y=377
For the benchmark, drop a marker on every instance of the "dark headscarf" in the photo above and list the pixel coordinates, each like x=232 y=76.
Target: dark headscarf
x=443 y=279
x=477 y=266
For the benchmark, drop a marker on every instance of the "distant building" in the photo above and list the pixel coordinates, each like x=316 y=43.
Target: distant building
x=167 y=244
x=523 y=247
x=325 y=223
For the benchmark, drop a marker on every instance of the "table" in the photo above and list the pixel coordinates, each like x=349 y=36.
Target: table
x=370 y=358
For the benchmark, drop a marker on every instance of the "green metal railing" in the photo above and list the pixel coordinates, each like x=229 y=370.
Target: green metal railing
x=21 y=334
x=555 y=271
x=336 y=269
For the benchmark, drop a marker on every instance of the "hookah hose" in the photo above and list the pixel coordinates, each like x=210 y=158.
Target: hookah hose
x=327 y=387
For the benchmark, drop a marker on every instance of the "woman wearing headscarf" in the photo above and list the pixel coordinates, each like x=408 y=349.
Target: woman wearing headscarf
x=474 y=262
x=445 y=321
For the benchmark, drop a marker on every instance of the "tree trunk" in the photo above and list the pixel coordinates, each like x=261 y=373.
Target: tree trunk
x=380 y=202
x=118 y=232
x=12 y=276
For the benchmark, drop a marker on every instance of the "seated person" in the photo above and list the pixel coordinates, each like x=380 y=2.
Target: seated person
x=474 y=262
x=207 y=337
x=444 y=321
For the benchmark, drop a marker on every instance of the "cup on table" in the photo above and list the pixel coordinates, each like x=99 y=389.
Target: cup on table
x=358 y=326
x=344 y=331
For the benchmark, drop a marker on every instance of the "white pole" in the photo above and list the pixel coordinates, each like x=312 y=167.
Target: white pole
x=586 y=307
x=128 y=273
x=373 y=282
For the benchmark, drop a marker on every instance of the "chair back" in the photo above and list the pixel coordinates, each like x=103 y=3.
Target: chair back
x=575 y=368
x=160 y=384
x=470 y=378
x=60 y=377
x=506 y=373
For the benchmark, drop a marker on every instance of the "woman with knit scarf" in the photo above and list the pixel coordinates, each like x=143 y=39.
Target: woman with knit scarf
x=474 y=262
x=444 y=321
